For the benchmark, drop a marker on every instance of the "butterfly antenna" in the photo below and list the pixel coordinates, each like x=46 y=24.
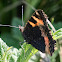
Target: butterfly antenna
x=22 y=16
x=8 y=26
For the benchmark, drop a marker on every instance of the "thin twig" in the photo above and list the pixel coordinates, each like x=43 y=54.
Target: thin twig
x=51 y=25
x=23 y=49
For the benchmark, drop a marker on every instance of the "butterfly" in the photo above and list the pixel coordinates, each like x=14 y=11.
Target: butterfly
x=37 y=33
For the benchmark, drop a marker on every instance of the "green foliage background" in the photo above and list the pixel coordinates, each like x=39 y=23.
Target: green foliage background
x=10 y=14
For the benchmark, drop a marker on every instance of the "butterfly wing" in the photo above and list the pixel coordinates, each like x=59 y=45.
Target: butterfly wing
x=37 y=33
x=33 y=36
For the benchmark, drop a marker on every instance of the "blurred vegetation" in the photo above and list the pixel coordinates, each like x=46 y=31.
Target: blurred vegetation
x=10 y=54
x=11 y=14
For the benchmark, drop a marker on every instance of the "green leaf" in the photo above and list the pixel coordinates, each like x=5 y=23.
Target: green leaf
x=5 y=54
x=15 y=36
x=57 y=34
x=8 y=54
x=26 y=53
x=15 y=31
x=7 y=37
x=57 y=25
x=52 y=58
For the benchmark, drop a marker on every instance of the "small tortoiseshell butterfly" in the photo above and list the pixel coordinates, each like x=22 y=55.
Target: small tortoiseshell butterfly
x=37 y=33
